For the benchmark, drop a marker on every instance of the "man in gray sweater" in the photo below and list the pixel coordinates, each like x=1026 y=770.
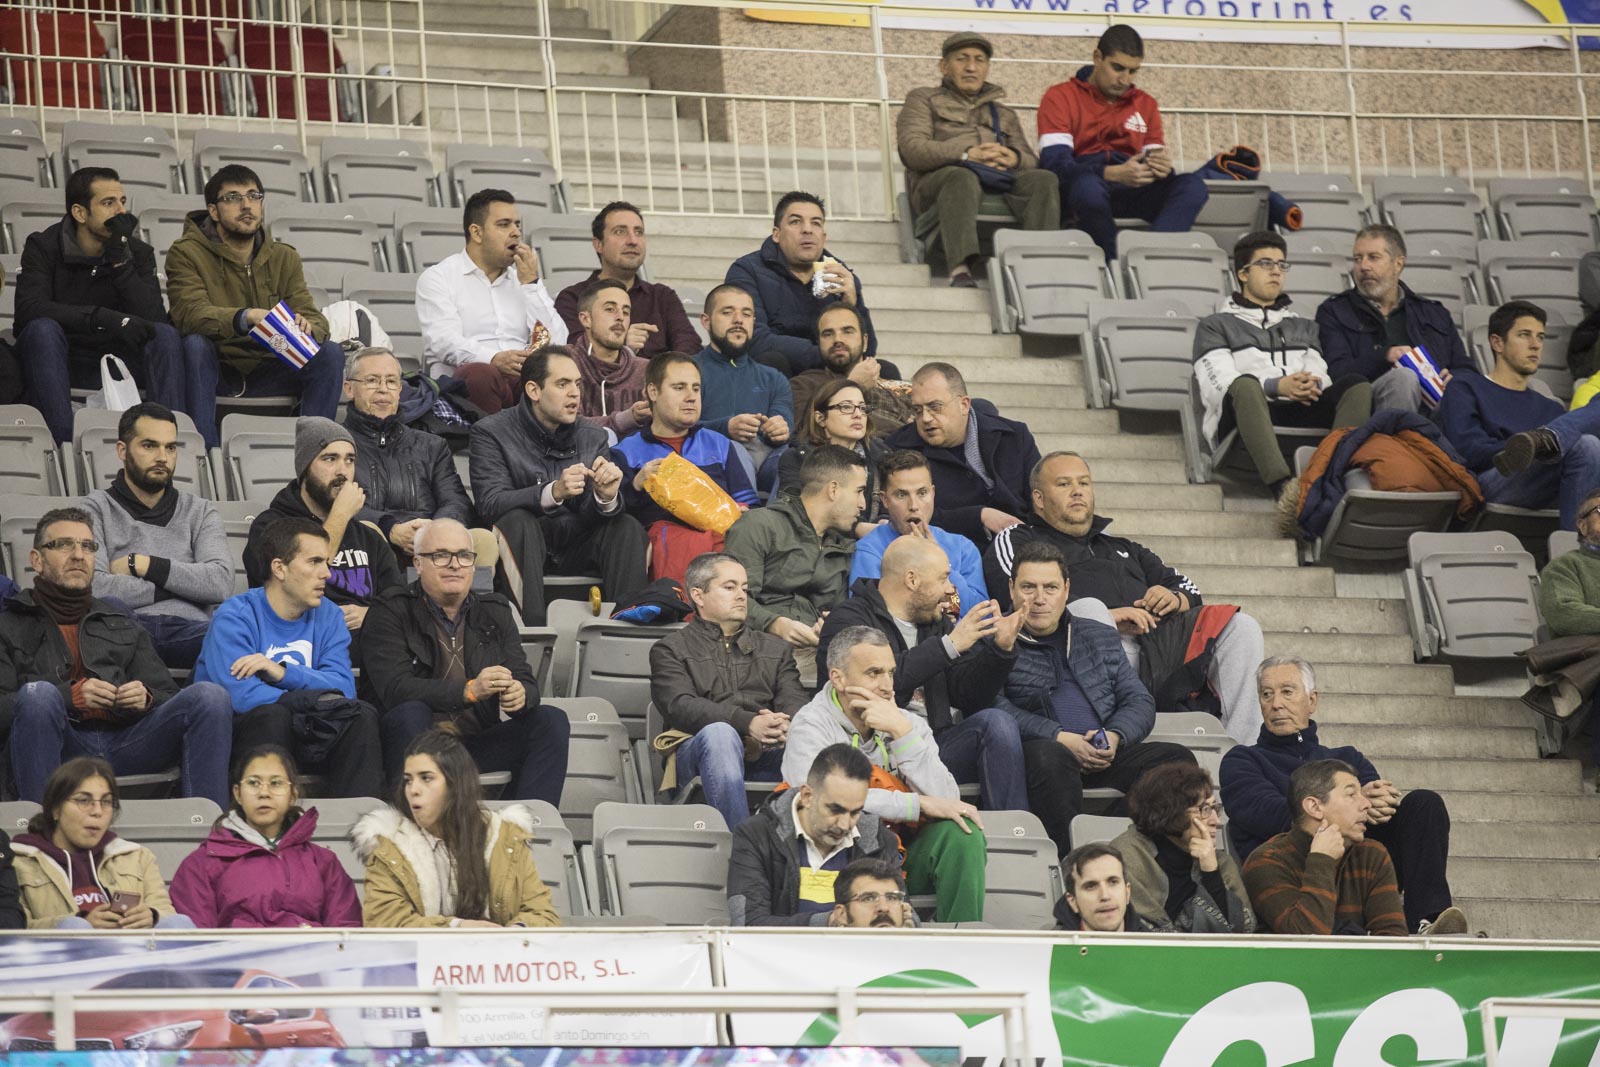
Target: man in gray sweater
x=163 y=553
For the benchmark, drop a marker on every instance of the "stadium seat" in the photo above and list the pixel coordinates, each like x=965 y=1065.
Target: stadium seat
x=94 y=439
x=1435 y=223
x=258 y=454
x=1375 y=525
x=1451 y=280
x=1293 y=184
x=1530 y=527
x=1089 y=829
x=162 y=217
x=1023 y=875
x=14 y=816
x=1315 y=277
x=290 y=49
x=566 y=250
x=392 y=298
x=237 y=517
x=1188 y=267
x=19 y=517
x=919 y=234
x=170 y=828
x=425 y=235
x=332 y=239
x=23 y=156
x=1332 y=206
x=1560 y=543
x=1470 y=595
x=600 y=762
x=555 y=853
x=25 y=210
x=1198 y=731
x=10 y=267
x=336 y=817
x=30 y=461
x=382 y=175
x=276 y=158
x=670 y=861
x=1566 y=220
x=525 y=172
x=1204 y=461
x=1232 y=210
x=146 y=157
x=613 y=661
x=1546 y=275
x=150 y=44
x=1041 y=283
x=1145 y=352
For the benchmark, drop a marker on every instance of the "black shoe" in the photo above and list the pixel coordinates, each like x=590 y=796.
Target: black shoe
x=1523 y=450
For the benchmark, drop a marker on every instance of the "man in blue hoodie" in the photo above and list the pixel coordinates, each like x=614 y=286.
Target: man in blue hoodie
x=286 y=637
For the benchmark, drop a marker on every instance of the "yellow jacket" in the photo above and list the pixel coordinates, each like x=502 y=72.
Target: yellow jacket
x=1586 y=391
x=403 y=884
x=125 y=867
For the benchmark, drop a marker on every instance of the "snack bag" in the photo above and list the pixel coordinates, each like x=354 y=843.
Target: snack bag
x=1418 y=362
x=686 y=493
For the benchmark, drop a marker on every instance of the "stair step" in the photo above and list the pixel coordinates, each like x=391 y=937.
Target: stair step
x=1028 y=370
x=930 y=317
x=1487 y=775
x=1539 y=879
x=1381 y=744
x=1400 y=679
x=1220 y=583
x=754 y=231
x=1559 y=809
x=706 y=271
x=1436 y=712
x=970 y=302
x=1050 y=376
x=1230 y=551
x=911 y=349
x=1139 y=523
x=1157 y=476
x=1333 y=648
x=1341 y=615
x=858 y=256
x=1541 y=920
x=1110 y=495
x=1092 y=447
x=1566 y=841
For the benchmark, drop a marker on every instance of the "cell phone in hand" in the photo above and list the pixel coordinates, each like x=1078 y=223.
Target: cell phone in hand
x=123 y=903
x=1099 y=740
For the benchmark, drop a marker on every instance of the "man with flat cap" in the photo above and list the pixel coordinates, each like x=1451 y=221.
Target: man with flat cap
x=959 y=143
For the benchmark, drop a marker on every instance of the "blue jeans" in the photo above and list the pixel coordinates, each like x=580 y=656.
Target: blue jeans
x=319 y=384
x=1563 y=482
x=531 y=745
x=194 y=730
x=716 y=755
x=50 y=365
x=986 y=747
x=1169 y=205
x=163 y=922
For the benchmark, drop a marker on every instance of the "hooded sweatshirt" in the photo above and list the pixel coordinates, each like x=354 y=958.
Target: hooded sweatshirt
x=51 y=893
x=609 y=389
x=363 y=566
x=1265 y=343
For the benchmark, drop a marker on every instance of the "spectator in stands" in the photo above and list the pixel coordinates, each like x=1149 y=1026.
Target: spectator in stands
x=611 y=372
x=979 y=460
x=1102 y=138
x=260 y=867
x=1098 y=897
x=727 y=687
x=545 y=479
x=1324 y=876
x=408 y=474
x=439 y=858
x=324 y=490
x=88 y=287
x=1569 y=604
x=1257 y=780
x=1524 y=448
x=943 y=666
x=959 y=142
x=75 y=873
x=1182 y=879
x=224 y=274
x=740 y=398
x=282 y=651
x=672 y=385
x=1259 y=365
x=788 y=856
x=80 y=678
x=782 y=276
x=12 y=917
x=1082 y=711
x=842 y=340
x=796 y=550
x=946 y=853
x=871 y=893
x=906 y=488
x=486 y=309
x=437 y=652
x=1366 y=329
x=1156 y=609
x=164 y=555
x=658 y=322
x=837 y=416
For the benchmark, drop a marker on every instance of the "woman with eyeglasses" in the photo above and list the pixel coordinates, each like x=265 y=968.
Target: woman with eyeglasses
x=1182 y=880
x=74 y=872
x=838 y=416
x=259 y=867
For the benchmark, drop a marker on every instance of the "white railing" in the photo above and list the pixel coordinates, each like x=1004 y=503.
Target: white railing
x=1551 y=1012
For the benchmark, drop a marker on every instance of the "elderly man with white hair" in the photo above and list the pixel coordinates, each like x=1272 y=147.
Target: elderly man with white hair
x=1413 y=826
x=436 y=652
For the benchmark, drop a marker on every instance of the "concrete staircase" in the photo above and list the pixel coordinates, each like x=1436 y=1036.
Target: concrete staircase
x=1526 y=830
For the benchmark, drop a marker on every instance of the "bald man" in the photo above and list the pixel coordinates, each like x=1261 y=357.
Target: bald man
x=948 y=672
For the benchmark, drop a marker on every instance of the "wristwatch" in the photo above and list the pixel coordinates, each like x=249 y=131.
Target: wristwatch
x=132 y=569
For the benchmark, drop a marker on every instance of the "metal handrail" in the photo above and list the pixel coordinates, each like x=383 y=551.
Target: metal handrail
x=1494 y=1009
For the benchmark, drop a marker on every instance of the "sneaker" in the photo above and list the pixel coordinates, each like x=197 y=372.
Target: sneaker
x=1523 y=450
x=963 y=280
x=1451 y=922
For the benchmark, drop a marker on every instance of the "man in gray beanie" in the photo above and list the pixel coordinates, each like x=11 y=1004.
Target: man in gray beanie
x=361 y=564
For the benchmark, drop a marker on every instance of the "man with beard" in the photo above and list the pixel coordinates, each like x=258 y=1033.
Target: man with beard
x=223 y=276
x=871 y=893
x=659 y=323
x=360 y=562
x=843 y=341
x=1366 y=329
x=740 y=398
x=612 y=372
x=163 y=553
x=79 y=678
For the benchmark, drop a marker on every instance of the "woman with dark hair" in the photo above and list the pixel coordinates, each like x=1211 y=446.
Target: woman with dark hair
x=259 y=867
x=438 y=857
x=75 y=872
x=838 y=416
x=1181 y=881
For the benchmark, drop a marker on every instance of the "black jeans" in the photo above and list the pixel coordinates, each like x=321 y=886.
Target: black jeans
x=564 y=543
x=1418 y=840
x=532 y=745
x=1056 y=782
x=353 y=768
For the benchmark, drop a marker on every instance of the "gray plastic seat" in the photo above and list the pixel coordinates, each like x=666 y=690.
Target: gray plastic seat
x=170 y=828
x=1315 y=277
x=523 y=171
x=336 y=817
x=23 y=155
x=1566 y=219
x=1332 y=215
x=162 y=217
x=19 y=517
x=555 y=853
x=1228 y=456
x=237 y=517
x=1188 y=267
x=1022 y=875
x=145 y=157
x=1436 y=223
x=379 y=174
x=612 y=660
x=1471 y=595
x=1091 y=829
x=258 y=455
x=11 y=266
x=566 y=250
x=425 y=235
x=1292 y=184
x=1560 y=543
x=1145 y=350
x=1232 y=210
x=665 y=860
x=276 y=158
x=1529 y=527
x=1041 y=284
x=14 y=816
x=26 y=210
x=30 y=462
x=1451 y=280
x=1528 y=271
x=600 y=763
x=331 y=240
x=94 y=439
x=694 y=302
x=1375 y=525
x=392 y=298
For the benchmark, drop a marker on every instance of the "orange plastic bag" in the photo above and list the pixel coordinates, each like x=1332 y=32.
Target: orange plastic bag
x=689 y=495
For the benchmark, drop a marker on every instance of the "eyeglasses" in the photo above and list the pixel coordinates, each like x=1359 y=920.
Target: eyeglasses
x=874 y=898
x=274 y=785
x=1589 y=514
x=388 y=385
x=932 y=407
x=1210 y=807
x=85 y=802
x=848 y=409
x=67 y=544
x=1272 y=264
x=255 y=196
x=446 y=559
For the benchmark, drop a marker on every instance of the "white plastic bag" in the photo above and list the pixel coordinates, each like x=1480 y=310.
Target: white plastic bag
x=117 y=390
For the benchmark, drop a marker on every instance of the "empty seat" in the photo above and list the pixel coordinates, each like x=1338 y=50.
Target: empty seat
x=237 y=518
x=1315 y=277
x=1560 y=543
x=94 y=439
x=1022 y=875
x=331 y=240
x=1529 y=271
x=1088 y=829
x=1470 y=595
x=380 y=174
x=669 y=861
x=1436 y=223
x=1564 y=219
x=1302 y=243
x=1232 y=210
x=392 y=298
x=145 y=157
x=169 y=828
x=10 y=266
x=30 y=462
x=613 y=661
x=1187 y=267
x=26 y=210
x=19 y=517
x=425 y=235
x=1451 y=280
x=162 y=217
x=1332 y=207
x=555 y=853
x=525 y=172
x=1292 y=185
x=566 y=250
x=600 y=762
x=276 y=158
x=1375 y=525
x=1145 y=350
x=1041 y=284
x=288 y=49
x=23 y=156
x=258 y=454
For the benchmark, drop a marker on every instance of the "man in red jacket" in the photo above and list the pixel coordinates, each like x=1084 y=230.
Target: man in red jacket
x=1102 y=137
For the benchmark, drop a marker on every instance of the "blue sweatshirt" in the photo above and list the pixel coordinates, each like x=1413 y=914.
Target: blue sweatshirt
x=707 y=449
x=314 y=649
x=1255 y=780
x=966 y=564
x=1478 y=415
x=730 y=387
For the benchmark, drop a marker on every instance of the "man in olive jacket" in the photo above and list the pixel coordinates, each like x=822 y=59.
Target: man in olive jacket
x=224 y=274
x=943 y=128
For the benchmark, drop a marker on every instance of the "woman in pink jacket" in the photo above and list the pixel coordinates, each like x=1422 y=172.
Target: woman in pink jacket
x=259 y=866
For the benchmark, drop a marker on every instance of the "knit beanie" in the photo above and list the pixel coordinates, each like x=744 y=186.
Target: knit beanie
x=312 y=434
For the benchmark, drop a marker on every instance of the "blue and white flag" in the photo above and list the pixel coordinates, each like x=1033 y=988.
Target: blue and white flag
x=278 y=333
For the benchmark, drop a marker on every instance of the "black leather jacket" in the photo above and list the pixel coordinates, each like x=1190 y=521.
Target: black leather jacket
x=407 y=474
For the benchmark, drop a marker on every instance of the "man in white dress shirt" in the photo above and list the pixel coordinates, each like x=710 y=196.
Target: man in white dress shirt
x=484 y=309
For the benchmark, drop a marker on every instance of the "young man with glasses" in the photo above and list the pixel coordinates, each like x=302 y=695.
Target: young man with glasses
x=1259 y=365
x=80 y=678
x=871 y=893
x=436 y=652
x=224 y=274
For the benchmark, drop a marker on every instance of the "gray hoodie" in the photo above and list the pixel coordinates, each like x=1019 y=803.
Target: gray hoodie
x=198 y=574
x=914 y=759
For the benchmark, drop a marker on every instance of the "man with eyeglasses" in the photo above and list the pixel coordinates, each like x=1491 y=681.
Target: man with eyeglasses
x=437 y=653
x=1259 y=365
x=79 y=678
x=408 y=474
x=870 y=893
x=224 y=274
x=742 y=399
